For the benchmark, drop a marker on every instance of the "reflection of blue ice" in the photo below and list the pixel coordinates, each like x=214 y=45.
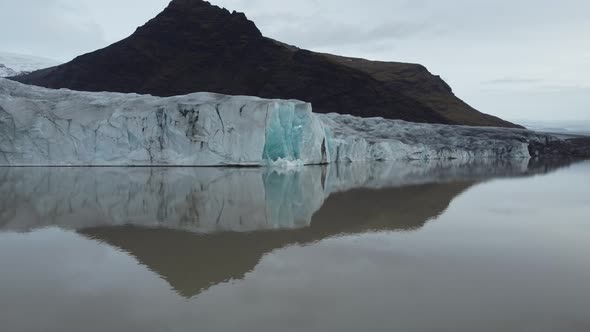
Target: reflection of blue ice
x=204 y=200
x=292 y=197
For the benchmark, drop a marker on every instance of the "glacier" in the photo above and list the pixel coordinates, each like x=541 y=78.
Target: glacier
x=60 y=127
x=44 y=127
x=18 y=64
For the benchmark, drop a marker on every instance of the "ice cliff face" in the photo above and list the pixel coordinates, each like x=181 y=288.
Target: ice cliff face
x=40 y=126
x=60 y=127
x=361 y=139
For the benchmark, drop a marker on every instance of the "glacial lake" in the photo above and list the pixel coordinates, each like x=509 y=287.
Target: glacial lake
x=435 y=246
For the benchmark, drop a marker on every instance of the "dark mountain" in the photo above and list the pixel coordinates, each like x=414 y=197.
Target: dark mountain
x=194 y=46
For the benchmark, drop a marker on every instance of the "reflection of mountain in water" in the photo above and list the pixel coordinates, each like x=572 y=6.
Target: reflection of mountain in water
x=199 y=227
x=191 y=262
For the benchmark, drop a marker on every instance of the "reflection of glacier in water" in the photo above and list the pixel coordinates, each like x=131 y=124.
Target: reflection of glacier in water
x=198 y=227
x=206 y=200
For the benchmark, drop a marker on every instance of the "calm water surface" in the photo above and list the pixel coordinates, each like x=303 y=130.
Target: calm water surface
x=377 y=247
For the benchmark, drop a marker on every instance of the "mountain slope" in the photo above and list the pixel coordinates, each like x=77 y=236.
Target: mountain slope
x=16 y=64
x=194 y=46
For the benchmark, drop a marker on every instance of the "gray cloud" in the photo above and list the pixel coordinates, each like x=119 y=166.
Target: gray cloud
x=63 y=29
x=513 y=80
x=50 y=28
x=546 y=103
x=322 y=32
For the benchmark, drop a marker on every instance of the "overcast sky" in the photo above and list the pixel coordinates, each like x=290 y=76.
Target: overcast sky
x=518 y=59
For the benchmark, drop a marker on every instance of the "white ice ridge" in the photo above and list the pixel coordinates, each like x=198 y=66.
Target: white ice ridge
x=41 y=126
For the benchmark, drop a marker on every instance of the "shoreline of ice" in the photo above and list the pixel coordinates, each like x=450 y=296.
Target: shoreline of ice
x=44 y=127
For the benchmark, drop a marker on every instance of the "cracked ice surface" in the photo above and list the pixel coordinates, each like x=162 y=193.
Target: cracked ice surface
x=41 y=126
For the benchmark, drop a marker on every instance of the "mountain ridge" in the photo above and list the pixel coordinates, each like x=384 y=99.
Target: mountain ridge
x=195 y=46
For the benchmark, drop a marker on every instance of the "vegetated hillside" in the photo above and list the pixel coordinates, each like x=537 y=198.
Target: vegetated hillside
x=194 y=46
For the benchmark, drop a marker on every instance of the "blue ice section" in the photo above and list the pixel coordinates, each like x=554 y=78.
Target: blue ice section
x=285 y=130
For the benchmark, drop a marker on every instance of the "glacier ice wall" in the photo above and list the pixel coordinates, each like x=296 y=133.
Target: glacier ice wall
x=61 y=127
x=362 y=139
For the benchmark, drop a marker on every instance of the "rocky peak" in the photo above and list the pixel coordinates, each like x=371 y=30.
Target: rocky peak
x=198 y=17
